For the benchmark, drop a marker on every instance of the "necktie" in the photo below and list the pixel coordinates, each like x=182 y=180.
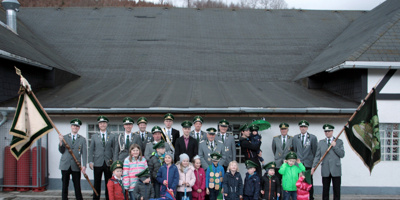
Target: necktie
x=198 y=137
x=104 y=141
x=169 y=134
x=223 y=138
x=212 y=147
x=127 y=142
x=302 y=140
x=284 y=143
x=73 y=139
x=142 y=137
x=329 y=142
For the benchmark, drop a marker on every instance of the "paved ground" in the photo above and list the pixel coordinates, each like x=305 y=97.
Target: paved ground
x=56 y=194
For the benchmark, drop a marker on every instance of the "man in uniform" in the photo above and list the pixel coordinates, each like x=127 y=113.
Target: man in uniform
x=125 y=140
x=229 y=147
x=68 y=165
x=249 y=150
x=169 y=134
x=101 y=152
x=281 y=146
x=145 y=136
x=305 y=146
x=186 y=144
x=156 y=132
x=197 y=133
x=332 y=167
x=209 y=146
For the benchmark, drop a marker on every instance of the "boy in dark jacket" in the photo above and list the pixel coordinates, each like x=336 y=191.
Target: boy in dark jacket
x=251 y=190
x=233 y=184
x=270 y=184
x=143 y=189
x=116 y=190
x=155 y=162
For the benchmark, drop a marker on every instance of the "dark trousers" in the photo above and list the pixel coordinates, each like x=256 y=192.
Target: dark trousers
x=312 y=183
x=98 y=172
x=326 y=183
x=179 y=195
x=245 y=197
x=279 y=176
x=213 y=194
x=76 y=179
x=157 y=189
x=288 y=194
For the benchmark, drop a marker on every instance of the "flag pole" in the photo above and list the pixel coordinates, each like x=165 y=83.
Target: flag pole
x=351 y=118
x=27 y=88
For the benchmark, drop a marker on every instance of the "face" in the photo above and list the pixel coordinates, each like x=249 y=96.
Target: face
x=103 y=126
x=142 y=127
x=291 y=162
x=215 y=162
x=255 y=132
x=284 y=131
x=128 y=128
x=185 y=162
x=251 y=170
x=328 y=134
x=168 y=160
x=161 y=151
x=118 y=172
x=168 y=123
x=271 y=172
x=246 y=133
x=197 y=163
x=234 y=167
x=197 y=126
x=223 y=129
x=135 y=152
x=303 y=129
x=186 y=131
x=157 y=136
x=210 y=137
x=75 y=129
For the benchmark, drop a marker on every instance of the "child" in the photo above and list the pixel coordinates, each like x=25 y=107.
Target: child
x=290 y=173
x=133 y=164
x=233 y=184
x=143 y=189
x=155 y=161
x=168 y=175
x=255 y=139
x=304 y=185
x=199 y=187
x=116 y=190
x=251 y=190
x=214 y=177
x=186 y=177
x=270 y=184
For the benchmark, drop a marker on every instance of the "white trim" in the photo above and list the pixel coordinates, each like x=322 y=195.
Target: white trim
x=11 y=56
x=364 y=65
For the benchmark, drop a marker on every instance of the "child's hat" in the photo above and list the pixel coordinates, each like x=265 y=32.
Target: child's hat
x=183 y=157
x=215 y=156
x=143 y=173
x=159 y=144
x=270 y=165
x=250 y=164
x=291 y=155
x=307 y=174
x=254 y=127
x=117 y=164
x=196 y=157
x=170 y=155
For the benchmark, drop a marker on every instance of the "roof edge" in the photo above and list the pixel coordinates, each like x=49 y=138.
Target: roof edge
x=10 y=56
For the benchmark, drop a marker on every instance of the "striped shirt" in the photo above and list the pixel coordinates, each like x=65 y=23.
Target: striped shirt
x=130 y=170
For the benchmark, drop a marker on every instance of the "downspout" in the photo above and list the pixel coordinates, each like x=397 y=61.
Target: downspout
x=4 y=120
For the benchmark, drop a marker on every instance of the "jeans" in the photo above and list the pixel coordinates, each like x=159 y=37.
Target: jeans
x=288 y=194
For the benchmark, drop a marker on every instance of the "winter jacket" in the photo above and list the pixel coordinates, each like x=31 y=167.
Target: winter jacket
x=130 y=170
x=154 y=165
x=252 y=186
x=115 y=190
x=271 y=187
x=199 y=184
x=302 y=189
x=233 y=186
x=290 y=174
x=145 y=190
x=188 y=177
x=170 y=174
x=216 y=170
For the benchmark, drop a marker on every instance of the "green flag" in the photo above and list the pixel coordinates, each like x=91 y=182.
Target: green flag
x=30 y=124
x=363 y=133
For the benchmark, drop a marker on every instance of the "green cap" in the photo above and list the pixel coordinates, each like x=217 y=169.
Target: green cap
x=283 y=125
x=328 y=127
x=102 y=119
x=250 y=164
x=197 y=118
x=127 y=120
x=160 y=144
x=141 y=120
x=143 y=173
x=169 y=116
x=186 y=124
x=270 y=165
x=304 y=123
x=307 y=174
x=254 y=127
x=244 y=127
x=215 y=156
x=117 y=164
x=291 y=155
x=223 y=123
x=156 y=129
x=211 y=131
x=76 y=122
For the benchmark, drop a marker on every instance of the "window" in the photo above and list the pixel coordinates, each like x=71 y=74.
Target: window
x=390 y=141
x=94 y=128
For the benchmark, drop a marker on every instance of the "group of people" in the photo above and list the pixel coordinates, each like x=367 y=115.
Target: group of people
x=200 y=164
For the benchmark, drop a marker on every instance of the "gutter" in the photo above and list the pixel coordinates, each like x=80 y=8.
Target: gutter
x=17 y=58
x=364 y=65
x=230 y=110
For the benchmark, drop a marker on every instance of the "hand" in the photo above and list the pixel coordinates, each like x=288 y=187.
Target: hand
x=84 y=170
x=199 y=190
x=262 y=191
x=222 y=190
x=187 y=185
x=333 y=143
x=240 y=196
x=260 y=154
x=312 y=171
x=141 y=198
x=278 y=195
x=183 y=183
x=91 y=166
x=226 y=194
x=207 y=191
x=165 y=182
x=60 y=137
x=298 y=161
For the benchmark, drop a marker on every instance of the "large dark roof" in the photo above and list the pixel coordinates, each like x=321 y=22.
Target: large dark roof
x=373 y=37
x=187 y=58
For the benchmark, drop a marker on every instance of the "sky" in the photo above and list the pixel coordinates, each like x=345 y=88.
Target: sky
x=333 y=4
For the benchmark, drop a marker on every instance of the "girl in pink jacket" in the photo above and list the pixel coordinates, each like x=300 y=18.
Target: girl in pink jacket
x=199 y=188
x=186 y=177
x=303 y=187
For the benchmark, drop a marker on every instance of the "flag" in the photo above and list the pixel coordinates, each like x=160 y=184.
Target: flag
x=30 y=123
x=363 y=133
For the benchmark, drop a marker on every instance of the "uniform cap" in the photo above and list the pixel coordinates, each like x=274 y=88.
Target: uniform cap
x=215 y=156
x=169 y=116
x=160 y=144
x=304 y=123
x=223 y=123
x=76 y=122
x=211 y=131
x=102 y=119
x=197 y=118
x=186 y=124
x=254 y=127
x=244 y=127
x=117 y=164
x=141 y=120
x=250 y=164
x=156 y=129
x=283 y=125
x=127 y=120
x=328 y=127
x=270 y=165
x=291 y=155
x=143 y=173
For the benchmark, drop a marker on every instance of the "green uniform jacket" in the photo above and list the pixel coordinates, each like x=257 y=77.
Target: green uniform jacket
x=290 y=175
